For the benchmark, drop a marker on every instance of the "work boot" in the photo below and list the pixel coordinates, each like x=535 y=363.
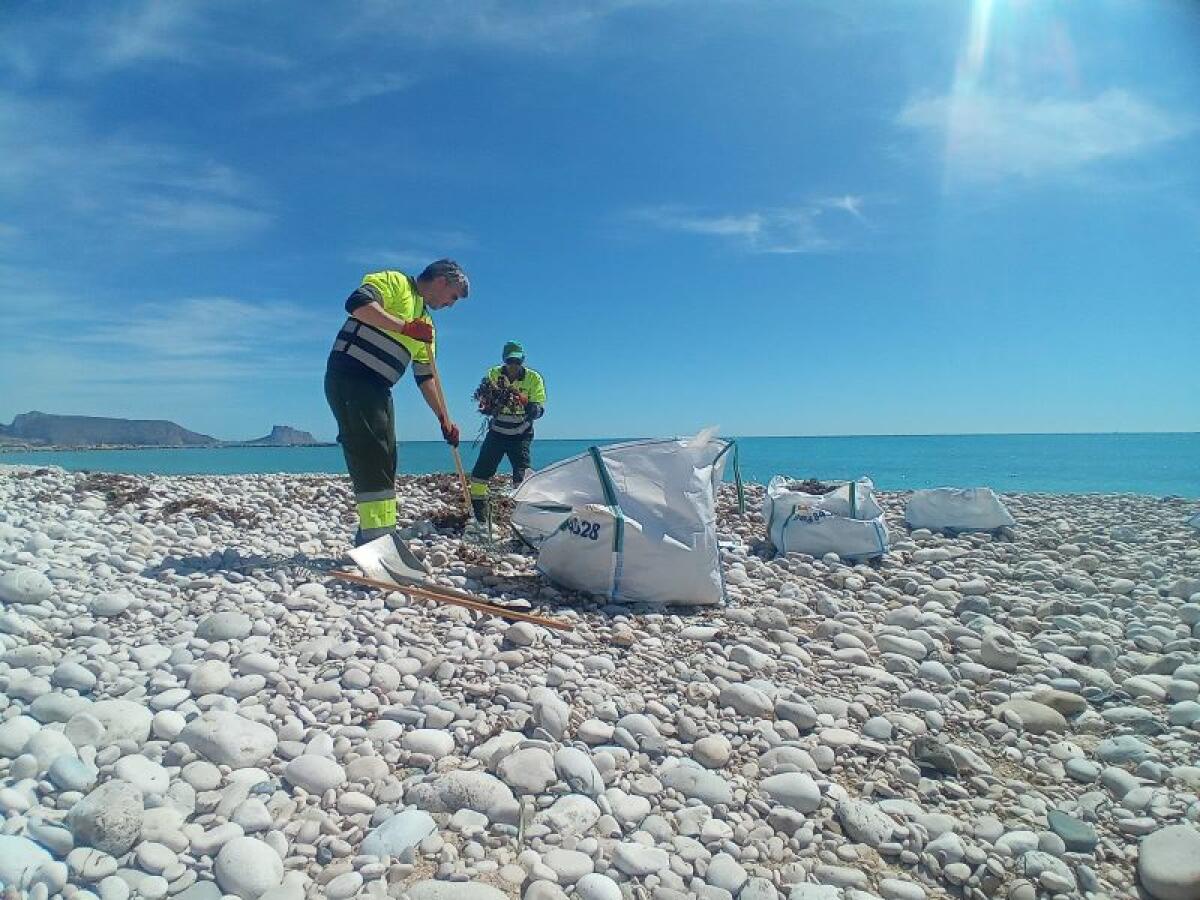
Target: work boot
x=479 y=507
x=362 y=536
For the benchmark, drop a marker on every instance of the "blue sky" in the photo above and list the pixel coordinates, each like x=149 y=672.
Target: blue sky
x=778 y=217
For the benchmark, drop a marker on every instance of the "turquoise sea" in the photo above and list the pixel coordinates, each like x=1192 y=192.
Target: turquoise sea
x=1159 y=464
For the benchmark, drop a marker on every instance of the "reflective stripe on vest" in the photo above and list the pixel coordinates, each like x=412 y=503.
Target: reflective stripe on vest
x=379 y=352
x=509 y=424
x=511 y=419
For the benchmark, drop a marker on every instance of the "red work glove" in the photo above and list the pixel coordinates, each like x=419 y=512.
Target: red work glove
x=418 y=330
x=450 y=433
x=522 y=398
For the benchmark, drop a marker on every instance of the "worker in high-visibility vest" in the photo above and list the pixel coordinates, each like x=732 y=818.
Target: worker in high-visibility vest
x=389 y=327
x=510 y=429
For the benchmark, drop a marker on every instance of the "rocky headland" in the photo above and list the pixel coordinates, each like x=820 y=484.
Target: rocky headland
x=48 y=431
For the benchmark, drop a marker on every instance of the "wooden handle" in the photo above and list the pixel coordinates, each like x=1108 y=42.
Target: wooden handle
x=443 y=595
x=462 y=475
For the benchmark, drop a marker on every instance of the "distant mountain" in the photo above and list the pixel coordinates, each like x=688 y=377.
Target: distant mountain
x=45 y=429
x=283 y=436
x=37 y=429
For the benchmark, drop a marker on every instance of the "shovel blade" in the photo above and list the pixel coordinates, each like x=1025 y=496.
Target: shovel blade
x=389 y=559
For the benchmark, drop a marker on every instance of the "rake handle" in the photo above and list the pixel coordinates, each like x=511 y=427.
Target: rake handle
x=458 y=465
x=428 y=593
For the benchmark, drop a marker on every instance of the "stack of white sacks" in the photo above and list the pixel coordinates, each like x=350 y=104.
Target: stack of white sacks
x=849 y=522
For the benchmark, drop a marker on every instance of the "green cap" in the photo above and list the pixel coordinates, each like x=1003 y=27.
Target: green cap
x=513 y=350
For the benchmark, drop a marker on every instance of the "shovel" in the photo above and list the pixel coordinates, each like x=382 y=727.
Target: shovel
x=388 y=563
x=388 y=559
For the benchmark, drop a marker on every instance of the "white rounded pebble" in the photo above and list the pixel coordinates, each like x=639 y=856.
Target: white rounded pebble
x=114 y=888
x=431 y=742
x=21 y=586
x=19 y=859
x=227 y=739
x=1169 y=863
x=144 y=774
x=247 y=868
x=343 y=886
x=597 y=887
x=712 y=751
x=316 y=774
x=223 y=626
x=109 y=818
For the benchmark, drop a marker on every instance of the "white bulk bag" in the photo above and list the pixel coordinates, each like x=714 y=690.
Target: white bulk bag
x=957 y=509
x=649 y=567
x=817 y=524
x=635 y=522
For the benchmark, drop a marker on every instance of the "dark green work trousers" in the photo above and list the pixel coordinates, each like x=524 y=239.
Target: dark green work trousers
x=367 y=432
x=495 y=447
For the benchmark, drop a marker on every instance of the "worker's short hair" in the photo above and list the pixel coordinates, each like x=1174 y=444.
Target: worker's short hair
x=449 y=269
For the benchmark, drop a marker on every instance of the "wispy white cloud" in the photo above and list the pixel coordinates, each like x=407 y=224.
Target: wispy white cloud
x=123 y=34
x=59 y=171
x=164 y=357
x=848 y=203
x=340 y=88
x=816 y=227
x=144 y=32
x=212 y=332
x=202 y=218
x=406 y=259
x=990 y=136
x=156 y=350
x=27 y=298
x=745 y=225
x=547 y=26
x=413 y=249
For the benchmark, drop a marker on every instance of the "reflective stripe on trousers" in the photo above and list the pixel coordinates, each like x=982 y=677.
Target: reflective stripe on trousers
x=377 y=513
x=479 y=499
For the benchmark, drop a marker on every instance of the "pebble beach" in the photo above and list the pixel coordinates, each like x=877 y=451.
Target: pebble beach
x=188 y=711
